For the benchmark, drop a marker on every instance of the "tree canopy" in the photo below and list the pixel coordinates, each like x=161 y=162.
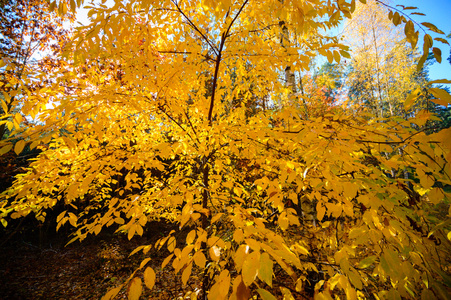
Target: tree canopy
x=191 y=112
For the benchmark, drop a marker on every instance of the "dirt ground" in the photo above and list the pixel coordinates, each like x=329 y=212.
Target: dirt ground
x=32 y=269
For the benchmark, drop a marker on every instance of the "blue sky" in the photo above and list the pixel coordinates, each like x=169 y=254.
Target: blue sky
x=438 y=12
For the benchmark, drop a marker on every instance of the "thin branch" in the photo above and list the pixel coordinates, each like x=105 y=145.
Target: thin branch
x=191 y=125
x=207 y=57
x=401 y=12
x=218 y=61
x=161 y=108
x=195 y=27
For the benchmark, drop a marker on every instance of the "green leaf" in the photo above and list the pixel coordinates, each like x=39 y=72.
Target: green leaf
x=366 y=262
x=266 y=295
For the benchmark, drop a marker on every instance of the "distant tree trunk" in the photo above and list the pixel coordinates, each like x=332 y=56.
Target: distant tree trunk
x=285 y=41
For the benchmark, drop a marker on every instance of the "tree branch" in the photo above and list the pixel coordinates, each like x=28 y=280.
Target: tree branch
x=195 y=27
x=218 y=61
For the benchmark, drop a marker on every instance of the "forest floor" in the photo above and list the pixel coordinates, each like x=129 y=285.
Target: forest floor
x=86 y=270
x=41 y=266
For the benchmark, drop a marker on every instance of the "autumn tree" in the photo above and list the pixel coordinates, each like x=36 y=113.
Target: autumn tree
x=31 y=39
x=383 y=69
x=321 y=90
x=146 y=133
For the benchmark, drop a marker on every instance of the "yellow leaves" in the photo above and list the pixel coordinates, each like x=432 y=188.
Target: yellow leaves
x=283 y=221
x=256 y=156
x=287 y=294
x=119 y=221
x=432 y=27
x=171 y=244
x=238 y=235
x=334 y=209
x=240 y=255
x=265 y=294
x=320 y=210
x=166 y=261
x=442 y=96
x=437 y=54
x=135 y=289
x=436 y=195
x=131 y=231
x=216 y=218
x=142 y=220
x=367 y=261
x=5 y=149
x=112 y=293
x=4 y=106
x=441 y=40
x=336 y=56
x=200 y=259
x=250 y=268
x=425 y=180
x=427 y=44
x=186 y=214
x=19 y=146
x=396 y=19
x=149 y=277
x=17 y=120
x=190 y=237
x=221 y=287
x=240 y=290
x=265 y=271
x=73 y=6
x=215 y=253
x=410 y=100
x=411 y=35
x=330 y=56
x=73 y=219
x=439 y=81
x=186 y=273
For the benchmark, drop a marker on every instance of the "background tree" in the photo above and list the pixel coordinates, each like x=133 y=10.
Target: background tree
x=383 y=69
x=322 y=90
x=31 y=39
